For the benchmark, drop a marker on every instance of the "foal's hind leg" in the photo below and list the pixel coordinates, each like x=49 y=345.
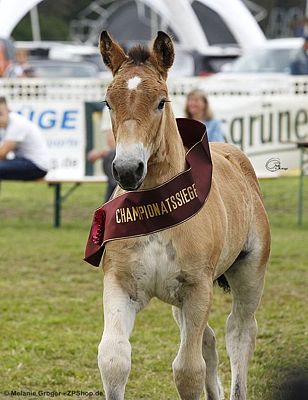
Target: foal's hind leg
x=246 y=279
x=213 y=386
x=189 y=365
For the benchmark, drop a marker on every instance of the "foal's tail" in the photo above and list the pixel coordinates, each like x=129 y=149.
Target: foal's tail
x=223 y=283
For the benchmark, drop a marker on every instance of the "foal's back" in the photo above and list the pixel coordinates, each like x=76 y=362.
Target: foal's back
x=235 y=204
x=226 y=156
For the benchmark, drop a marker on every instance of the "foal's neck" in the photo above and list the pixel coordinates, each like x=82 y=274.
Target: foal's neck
x=169 y=158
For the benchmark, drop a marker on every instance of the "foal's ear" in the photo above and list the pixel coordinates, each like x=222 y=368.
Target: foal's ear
x=112 y=53
x=163 y=51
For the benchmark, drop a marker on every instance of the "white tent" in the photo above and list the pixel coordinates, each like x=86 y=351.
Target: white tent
x=179 y=15
x=181 y=18
x=239 y=20
x=11 y=12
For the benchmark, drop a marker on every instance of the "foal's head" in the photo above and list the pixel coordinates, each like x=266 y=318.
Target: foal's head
x=138 y=102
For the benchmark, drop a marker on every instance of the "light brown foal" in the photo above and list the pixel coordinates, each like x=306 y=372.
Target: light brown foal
x=230 y=236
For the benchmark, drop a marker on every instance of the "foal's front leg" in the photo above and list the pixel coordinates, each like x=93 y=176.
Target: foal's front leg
x=189 y=365
x=114 y=350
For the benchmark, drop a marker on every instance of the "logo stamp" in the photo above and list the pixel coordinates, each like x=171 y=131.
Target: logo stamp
x=274 y=164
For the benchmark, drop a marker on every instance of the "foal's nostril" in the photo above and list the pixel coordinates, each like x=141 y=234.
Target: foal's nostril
x=115 y=172
x=128 y=173
x=140 y=169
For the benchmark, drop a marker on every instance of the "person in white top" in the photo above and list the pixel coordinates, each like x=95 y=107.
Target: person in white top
x=23 y=138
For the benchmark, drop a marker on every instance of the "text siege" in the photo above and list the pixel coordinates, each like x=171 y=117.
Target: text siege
x=152 y=210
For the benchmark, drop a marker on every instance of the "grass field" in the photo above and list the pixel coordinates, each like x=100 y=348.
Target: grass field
x=51 y=301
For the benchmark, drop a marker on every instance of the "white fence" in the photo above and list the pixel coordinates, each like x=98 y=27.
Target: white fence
x=94 y=89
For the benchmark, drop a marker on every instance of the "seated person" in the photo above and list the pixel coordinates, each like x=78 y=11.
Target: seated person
x=22 y=139
x=107 y=156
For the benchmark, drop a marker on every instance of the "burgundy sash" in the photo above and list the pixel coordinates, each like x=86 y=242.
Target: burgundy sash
x=141 y=212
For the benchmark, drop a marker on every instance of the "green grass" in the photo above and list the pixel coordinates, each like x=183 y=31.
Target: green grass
x=51 y=301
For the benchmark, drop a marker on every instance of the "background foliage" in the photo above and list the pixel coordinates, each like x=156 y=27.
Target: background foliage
x=55 y=16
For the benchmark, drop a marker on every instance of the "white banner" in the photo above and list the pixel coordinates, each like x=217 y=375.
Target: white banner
x=63 y=126
x=262 y=126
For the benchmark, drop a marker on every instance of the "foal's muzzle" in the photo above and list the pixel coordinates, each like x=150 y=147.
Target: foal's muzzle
x=129 y=166
x=129 y=174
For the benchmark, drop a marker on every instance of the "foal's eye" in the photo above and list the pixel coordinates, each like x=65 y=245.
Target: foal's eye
x=107 y=104
x=161 y=104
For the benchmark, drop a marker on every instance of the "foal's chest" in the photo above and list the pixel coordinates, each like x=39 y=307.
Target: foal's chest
x=158 y=272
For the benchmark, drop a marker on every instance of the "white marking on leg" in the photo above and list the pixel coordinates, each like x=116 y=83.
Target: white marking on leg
x=189 y=368
x=240 y=340
x=133 y=83
x=114 y=350
x=246 y=282
x=213 y=385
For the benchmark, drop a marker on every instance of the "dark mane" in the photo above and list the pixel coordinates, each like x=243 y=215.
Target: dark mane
x=139 y=54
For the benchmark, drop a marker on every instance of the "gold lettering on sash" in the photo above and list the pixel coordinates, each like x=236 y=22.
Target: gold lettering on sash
x=184 y=191
x=146 y=212
x=163 y=208
x=178 y=197
x=150 y=210
x=194 y=189
x=141 y=212
x=123 y=216
x=174 y=205
x=182 y=197
x=156 y=209
x=118 y=219
x=190 y=192
x=167 y=201
x=128 y=215
x=135 y=213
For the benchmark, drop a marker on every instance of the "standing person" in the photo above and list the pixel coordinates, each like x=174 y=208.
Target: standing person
x=197 y=107
x=107 y=156
x=299 y=65
x=20 y=67
x=22 y=139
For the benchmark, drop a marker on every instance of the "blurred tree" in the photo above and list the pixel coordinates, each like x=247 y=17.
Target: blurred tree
x=55 y=16
x=23 y=30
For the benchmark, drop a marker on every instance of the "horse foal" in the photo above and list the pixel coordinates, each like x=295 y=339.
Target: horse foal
x=229 y=236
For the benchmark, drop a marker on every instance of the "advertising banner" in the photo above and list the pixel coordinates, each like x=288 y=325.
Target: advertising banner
x=263 y=127
x=63 y=126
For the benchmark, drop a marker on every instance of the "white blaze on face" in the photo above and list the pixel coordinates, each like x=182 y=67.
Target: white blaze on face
x=133 y=83
x=132 y=152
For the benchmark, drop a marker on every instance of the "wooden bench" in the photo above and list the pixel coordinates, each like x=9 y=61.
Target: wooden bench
x=59 y=198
